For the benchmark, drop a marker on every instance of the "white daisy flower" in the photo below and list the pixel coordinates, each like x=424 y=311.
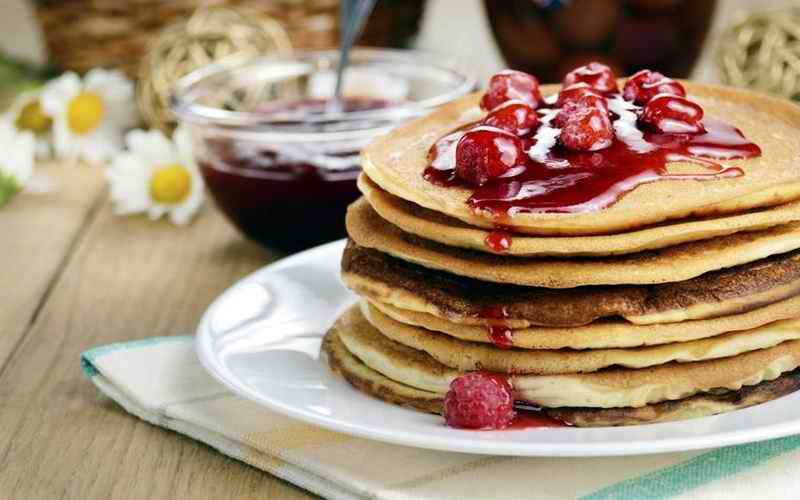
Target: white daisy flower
x=16 y=163
x=156 y=176
x=26 y=115
x=91 y=115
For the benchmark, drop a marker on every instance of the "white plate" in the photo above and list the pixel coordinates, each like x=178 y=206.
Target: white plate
x=261 y=339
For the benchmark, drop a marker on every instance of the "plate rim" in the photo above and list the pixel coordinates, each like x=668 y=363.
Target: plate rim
x=465 y=444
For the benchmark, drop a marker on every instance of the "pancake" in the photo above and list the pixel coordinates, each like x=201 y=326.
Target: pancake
x=699 y=405
x=425 y=223
x=397 y=160
x=373 y=383
x=609 y=388
x=383 y=278
x=677 y=263
x=470 y=356
x=604 y=334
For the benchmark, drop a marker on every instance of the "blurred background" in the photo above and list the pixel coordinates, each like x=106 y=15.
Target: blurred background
x=535 y=35
x=268 y=178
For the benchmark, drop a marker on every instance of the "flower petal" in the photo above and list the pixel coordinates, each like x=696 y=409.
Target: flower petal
x=129 y=179
x=57 y=93
x=152 y=146
x=184 y=143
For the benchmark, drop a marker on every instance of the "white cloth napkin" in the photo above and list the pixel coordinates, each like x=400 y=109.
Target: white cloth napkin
x=161 y=381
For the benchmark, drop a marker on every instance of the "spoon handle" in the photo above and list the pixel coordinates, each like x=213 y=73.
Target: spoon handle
x=353 y=15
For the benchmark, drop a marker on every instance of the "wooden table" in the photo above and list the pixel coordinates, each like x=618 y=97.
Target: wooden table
x=74 y=276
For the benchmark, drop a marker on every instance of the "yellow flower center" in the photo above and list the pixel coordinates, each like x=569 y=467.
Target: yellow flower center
x=85 y=112
x=31 y=117
x=170 y=184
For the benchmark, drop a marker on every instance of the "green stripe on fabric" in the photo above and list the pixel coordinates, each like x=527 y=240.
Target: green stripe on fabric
x=696 y=472
x=88 y=357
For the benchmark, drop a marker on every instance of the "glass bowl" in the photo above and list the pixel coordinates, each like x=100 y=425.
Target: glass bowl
x=278 y=157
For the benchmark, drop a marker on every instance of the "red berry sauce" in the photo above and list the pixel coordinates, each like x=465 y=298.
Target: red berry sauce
x=576 y=173
x=499 y=240
x=500 y=335
x=303 y=108
x=285 y=200
x=532 y=418
x=497 y=326
x=576 y=181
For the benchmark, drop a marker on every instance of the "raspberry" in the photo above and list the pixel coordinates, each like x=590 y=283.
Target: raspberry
x=597 y=75
x=513 y=116
x=563 y=115
x=484 y=153
x=587 y=129
x=673 y=115
x=511 y=85
x=646 y=84
x=575 y=98
x=576 y=92
x=479 y=400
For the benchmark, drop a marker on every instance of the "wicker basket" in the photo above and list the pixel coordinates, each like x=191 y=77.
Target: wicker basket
x=82 y=34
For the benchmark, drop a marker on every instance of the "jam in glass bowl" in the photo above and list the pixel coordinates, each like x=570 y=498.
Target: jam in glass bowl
x=279 y=158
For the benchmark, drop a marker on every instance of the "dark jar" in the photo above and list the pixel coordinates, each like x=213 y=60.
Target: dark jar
x=548 y=38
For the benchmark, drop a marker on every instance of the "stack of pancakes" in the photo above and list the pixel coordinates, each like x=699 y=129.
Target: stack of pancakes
x=682 y=299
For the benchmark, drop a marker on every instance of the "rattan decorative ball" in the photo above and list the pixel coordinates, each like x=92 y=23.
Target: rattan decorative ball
x=209 y=35
x=761 y=51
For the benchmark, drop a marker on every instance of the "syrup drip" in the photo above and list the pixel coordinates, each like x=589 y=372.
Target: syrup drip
x=533 y=419
x=500 y=335
x=564 y=181
x=497 y=327
x=529 y=416
x=498 y=240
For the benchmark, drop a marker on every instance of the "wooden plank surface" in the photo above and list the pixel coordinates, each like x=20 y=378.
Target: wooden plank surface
x=127 y=278
x=37 y=233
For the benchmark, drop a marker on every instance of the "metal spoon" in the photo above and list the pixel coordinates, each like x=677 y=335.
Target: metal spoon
x=353 y=15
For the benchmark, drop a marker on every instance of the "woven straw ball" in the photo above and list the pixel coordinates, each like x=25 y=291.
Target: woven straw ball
x=761 y=51
x=209 y=35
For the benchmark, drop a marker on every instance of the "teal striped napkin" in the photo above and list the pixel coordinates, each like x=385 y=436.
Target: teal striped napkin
x=161 y=381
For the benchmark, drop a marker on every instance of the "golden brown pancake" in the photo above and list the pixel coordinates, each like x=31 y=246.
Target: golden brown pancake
x=604 y=334
x=425 y=223
x=397 y=160
x=373 y=383
x=609 y=388
x=383 y=278
x=699 y=405
x=677 y=263
x=470 y=356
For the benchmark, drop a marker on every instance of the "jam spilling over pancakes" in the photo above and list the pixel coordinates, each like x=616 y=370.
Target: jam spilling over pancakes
x=485 y=401
x=497 y=327
x=583 y=149
x=578 y=151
